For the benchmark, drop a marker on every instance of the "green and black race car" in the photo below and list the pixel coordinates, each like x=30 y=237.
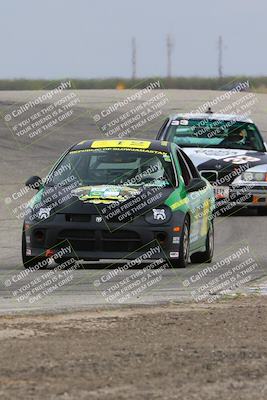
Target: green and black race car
x=108 y=199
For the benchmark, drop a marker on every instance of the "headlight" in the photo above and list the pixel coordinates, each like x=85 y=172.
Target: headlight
x=254 y=176
x=158 y=215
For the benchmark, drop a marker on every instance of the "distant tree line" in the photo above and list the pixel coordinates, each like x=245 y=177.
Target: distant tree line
x=197 y=83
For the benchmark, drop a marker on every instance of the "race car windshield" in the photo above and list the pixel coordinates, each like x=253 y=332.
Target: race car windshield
x=115 y=167
x=215 y=133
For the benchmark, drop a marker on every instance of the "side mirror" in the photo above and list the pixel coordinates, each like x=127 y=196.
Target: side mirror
x=34 y=182
x=195 y=185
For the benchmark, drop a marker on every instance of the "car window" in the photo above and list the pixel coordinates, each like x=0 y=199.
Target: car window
x=193 y=169
x=116 y=167
x=162 y=128
x=215 y=133
x=186 y=174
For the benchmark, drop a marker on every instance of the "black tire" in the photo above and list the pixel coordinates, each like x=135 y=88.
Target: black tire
x=262 y=211
x=183 y=260
x=205 y=256
x=29 y=262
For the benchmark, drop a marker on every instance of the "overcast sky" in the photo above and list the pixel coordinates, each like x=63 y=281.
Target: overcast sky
x=92 y=38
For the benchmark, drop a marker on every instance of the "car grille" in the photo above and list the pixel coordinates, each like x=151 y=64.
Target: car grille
x=78 y=217
x=101 y=240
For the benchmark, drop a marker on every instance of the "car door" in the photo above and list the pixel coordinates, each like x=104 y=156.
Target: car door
x=199 y=202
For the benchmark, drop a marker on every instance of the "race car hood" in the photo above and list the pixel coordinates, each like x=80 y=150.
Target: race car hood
x=98 y=199
x=202 y=156
x=225 y=160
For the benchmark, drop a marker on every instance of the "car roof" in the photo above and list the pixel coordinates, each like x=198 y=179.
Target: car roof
x=212 y=116
x=138 y=144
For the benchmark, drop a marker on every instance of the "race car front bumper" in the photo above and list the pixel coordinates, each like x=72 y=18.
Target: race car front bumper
x=95 y=240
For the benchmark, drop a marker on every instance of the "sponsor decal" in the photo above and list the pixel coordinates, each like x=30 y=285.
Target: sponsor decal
x=104 y=194
x=44 y=212
x=205 y=221
x=159 y=214
x=167 y=157
x=174 y=254
x=176 y=239
x=119 y=149
x=217 y=154
x=99 y=219
x=136 y=144
x=241 y=159
x=194 y=237
x=179 y=203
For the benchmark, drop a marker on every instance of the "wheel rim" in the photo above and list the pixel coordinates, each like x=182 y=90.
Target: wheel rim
x=186 y=242
x=211 y=239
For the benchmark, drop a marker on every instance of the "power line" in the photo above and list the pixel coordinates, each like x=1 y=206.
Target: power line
x=220 y=57
x=133 y=58
x=170 y=47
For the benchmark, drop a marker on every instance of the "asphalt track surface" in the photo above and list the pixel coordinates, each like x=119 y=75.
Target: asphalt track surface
x=233 y=233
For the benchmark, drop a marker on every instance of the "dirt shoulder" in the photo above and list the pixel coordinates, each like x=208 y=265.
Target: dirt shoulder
x=178 y=351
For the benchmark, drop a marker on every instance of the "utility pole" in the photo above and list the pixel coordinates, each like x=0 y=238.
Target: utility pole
x=133 y=58
x=220 y=57
x=170 y=46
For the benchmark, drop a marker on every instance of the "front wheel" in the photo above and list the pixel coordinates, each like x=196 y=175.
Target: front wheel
x=205 y=256
x=184 y=246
